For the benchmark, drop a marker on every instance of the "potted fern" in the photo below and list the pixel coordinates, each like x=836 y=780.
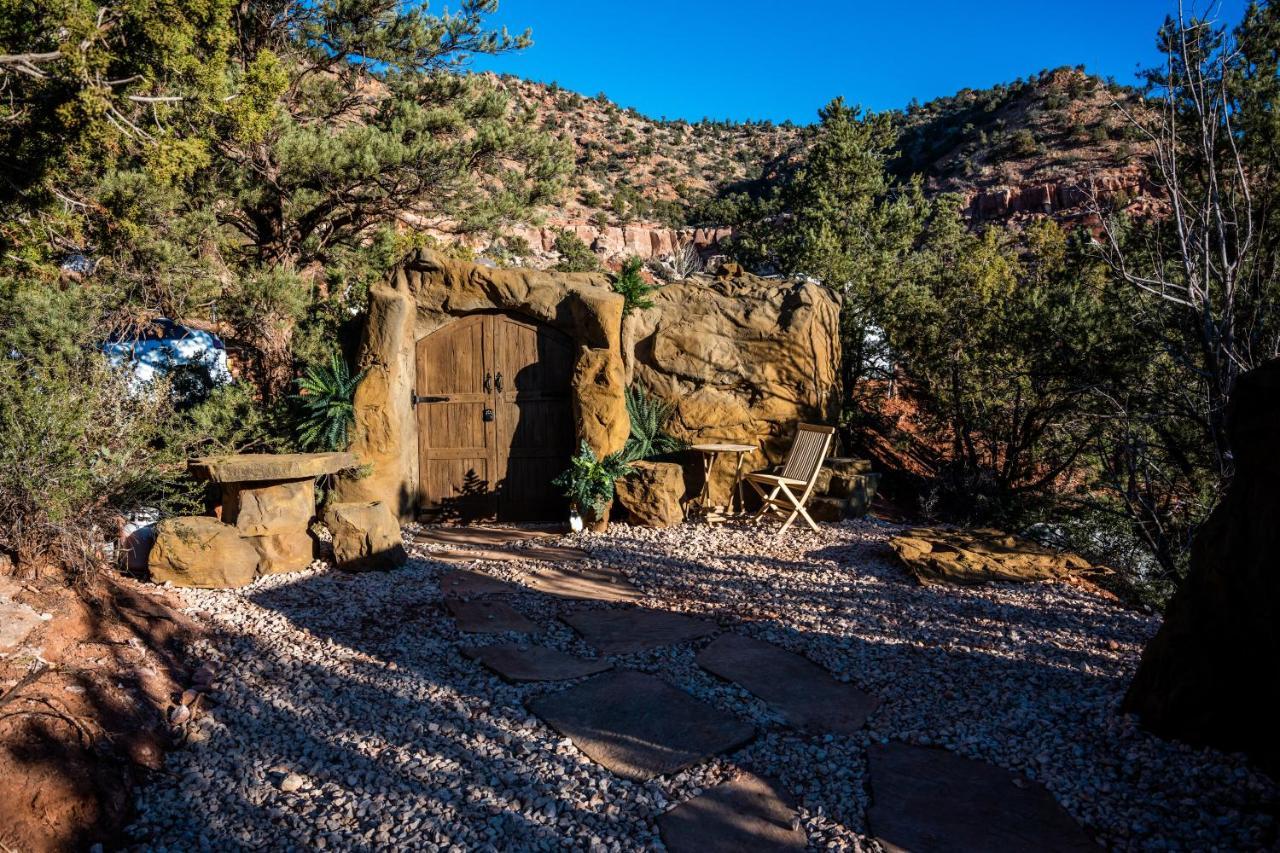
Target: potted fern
x=588 y=484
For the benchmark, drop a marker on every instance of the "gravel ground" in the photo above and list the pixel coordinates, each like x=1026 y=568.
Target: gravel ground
x=343 y=715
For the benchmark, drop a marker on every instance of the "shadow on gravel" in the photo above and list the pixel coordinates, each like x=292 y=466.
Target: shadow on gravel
x=395 y=715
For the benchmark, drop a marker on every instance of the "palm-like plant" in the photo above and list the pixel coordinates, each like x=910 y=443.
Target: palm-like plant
x=649 y=418
x=326 y=404
x=589 y=482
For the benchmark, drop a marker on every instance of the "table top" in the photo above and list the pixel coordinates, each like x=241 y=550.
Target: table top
x=723 y=448
x=256 y=467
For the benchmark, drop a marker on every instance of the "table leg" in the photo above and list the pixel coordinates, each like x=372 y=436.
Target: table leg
x=708 y=460
x=737 y=486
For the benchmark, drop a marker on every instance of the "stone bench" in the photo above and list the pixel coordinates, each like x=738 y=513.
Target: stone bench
x=268 y=502
x=271 y=499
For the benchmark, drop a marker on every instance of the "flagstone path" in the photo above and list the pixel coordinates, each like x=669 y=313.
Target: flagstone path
x=481 y=616
x=638 y=726
x=804 y=693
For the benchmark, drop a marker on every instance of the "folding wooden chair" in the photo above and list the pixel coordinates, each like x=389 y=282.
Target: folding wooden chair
x=787 y=492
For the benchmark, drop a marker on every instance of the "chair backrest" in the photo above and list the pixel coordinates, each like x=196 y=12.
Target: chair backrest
x=808 y=452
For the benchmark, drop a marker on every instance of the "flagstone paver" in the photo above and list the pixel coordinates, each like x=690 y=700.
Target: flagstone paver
x=541 y=553
x=926 y=799
x=478 y=536
x=465 y=583
x=534 y=663
x=633 y=629
x=639 y=726
x=748 y=813
x=588 y=584
x=804 y=693
x=485 y=616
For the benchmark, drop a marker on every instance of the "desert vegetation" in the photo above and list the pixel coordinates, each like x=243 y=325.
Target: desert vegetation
x=252 y=174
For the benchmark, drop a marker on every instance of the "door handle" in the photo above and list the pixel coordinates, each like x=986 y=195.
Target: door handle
x=488 y=383
x=499 y=381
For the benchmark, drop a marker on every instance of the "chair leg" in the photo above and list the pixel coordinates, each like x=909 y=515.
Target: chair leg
x=808 y=519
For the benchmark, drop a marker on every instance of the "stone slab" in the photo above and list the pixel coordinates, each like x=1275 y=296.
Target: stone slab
x=17 y=620
x=482 y=616
x=464 y=583
x=485 y=537
x=926 y=799
x=534 y=663
x=252 y=467
x=627 y=630
x=749 y=813
x=639 y=726
x=541 y=553
x=583 y=584
x=804 y=693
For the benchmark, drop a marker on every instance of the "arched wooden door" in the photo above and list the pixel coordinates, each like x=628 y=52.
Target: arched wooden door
x=495 y=422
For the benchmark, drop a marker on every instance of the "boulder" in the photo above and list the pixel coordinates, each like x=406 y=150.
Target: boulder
x=934 y=554
x=269 y=508
x=17 y=620
x=845 y=472
x=742 y=359
x=202 y=552
x=860 y=493
x=651 y=494
x=1203 y=677
x=828 y=509
x=366 y=536
x=281 y=553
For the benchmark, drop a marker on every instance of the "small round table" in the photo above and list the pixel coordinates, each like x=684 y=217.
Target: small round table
x=709 y=453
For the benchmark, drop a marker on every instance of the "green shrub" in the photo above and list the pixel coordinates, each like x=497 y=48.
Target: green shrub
x=589 y=482
x=649 y=418
x=75 y=446
x=326 y=404
x=575 y=255
x=634 y=289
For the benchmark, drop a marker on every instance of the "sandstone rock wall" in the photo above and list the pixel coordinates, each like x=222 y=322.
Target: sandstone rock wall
x=1065 y=195
x=1209 y=674
x=743 y=359
x=425 y=293
x=646 y=241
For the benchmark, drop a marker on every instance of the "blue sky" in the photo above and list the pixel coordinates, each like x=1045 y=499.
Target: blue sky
x=777 y=60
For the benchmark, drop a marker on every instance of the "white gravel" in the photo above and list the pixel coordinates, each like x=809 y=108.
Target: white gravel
x=343 y=716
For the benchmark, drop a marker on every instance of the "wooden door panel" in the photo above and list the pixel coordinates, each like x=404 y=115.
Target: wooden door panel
x=473 y=468
x=534 y=417
x=457 y=458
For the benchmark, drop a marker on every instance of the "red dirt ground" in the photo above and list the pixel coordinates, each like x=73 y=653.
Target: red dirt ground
x=82 y=709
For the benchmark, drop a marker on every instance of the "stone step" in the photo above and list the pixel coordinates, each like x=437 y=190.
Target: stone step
x=639 y=726
x=924 y=798
x=749 y=813
x=804 y=693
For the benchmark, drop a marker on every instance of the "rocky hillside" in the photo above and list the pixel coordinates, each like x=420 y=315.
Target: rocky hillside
x=1039 y=146
x=1043 y=146
x=631 y=168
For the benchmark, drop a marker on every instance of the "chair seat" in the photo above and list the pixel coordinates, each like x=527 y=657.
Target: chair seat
x=775 y=479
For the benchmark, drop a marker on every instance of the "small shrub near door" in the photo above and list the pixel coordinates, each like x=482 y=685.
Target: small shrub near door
x=589 y=483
